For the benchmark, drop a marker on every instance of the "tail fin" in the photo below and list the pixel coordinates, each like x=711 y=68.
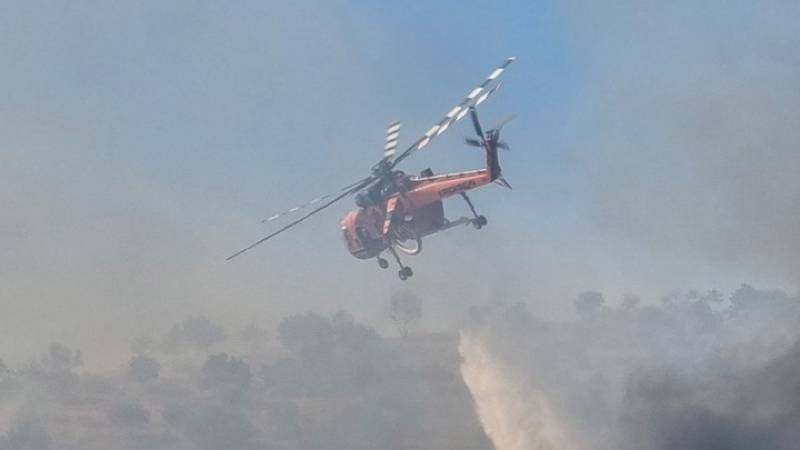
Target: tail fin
x=503 y=182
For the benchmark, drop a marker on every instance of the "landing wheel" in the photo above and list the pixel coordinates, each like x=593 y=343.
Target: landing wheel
x=382 y=263
x=479 y=222
x=405 y=273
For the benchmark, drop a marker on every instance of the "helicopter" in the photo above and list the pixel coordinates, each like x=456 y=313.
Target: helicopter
x=395 y=210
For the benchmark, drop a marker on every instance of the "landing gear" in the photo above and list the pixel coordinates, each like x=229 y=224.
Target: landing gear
x=383 y=263
x=479 y=221
x=405 y=271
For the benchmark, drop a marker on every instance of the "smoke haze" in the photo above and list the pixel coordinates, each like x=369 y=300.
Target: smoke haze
x=654 y=167
x=697 y=372
x=689 y=130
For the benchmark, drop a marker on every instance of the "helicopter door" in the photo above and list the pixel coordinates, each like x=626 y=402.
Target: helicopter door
x=428 y=219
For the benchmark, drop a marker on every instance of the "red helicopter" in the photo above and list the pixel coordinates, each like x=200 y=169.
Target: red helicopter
x=395 y=210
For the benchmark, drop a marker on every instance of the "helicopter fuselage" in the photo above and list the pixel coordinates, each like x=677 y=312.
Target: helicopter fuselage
x=413 y=212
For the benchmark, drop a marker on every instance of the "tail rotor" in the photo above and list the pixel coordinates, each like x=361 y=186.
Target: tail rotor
x=490 y=141
x=492 y=136
x=494 y=133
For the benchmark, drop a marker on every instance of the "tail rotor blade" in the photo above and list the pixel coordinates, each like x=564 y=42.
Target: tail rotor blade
x=476 y=124
x=505 y=122
x=473 y=142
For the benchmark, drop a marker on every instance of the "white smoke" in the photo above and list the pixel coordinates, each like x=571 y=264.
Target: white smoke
x=699 y=371
x=512 y=415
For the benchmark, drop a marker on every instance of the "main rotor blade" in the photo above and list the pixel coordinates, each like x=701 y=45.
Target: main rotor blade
x=355 y=188
x=486 y=95
x=307 y=204
x=474 y=97
x=392 y=134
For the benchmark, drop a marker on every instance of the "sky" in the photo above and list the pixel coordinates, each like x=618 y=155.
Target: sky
x=143 y=142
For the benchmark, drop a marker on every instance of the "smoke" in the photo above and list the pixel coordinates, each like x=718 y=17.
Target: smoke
x=688 y=137
x=332 y=384
x=123 y=189
x=129 y=163
x=699 y=371
x=686 y=145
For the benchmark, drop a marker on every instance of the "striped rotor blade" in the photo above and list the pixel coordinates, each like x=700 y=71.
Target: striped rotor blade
x=486 y=94
x=355 y=187
x=474 y=97
x=303 y=206
x=392 y=134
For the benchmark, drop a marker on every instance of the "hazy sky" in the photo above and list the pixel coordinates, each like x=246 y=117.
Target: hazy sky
x=142 y=142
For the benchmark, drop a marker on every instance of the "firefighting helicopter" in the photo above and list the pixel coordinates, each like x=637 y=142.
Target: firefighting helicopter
x=395 y=210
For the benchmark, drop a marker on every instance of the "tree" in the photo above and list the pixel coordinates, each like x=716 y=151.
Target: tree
x=61 y=359
x=589 y=303
x=255 y=334
x=308 y=336
x=404 y=308
x=28 y=434
x=128 y=414
x=195 y=332
x=630 y=302
x=224 y=371
x=143 y=368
